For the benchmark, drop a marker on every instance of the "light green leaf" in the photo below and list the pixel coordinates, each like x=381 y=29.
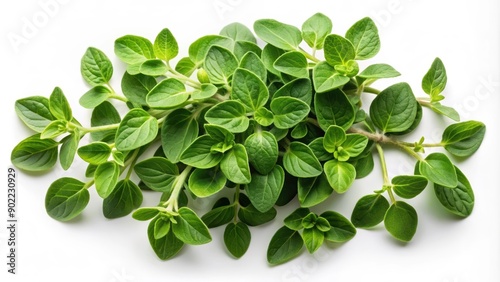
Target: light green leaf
x=319 y=151
x=136 y=129
x=66 y=198
x=300 y=161
x=198 y=49
x=464 y=138
x=162 y=228
x=269 y=55
x=106 y=176
x=35 y=154
x=235 y=166
x=299 y=88
x=408 y=186
x=95 y=67
x=207 y=90
x=200 y=155
x=95 y=96
x=294 y=220
x=54 y=129
x=206 y=182
x=136 y=87
x=288 y=111
x=354 y=144
x=252 y=62
x=326 y=78
x=237 y=238
x=459 y=200
x=394 y=109
x=262 y=149
x=153 y=67
x=312 y=191
x=59 y=106
x=313 y=239
x=264 y=116
x=104 y=114
x=185 y=66
x=67 y=152
x=435 y=79
x=249 y=89
x=438 y=168
x=178 y=131
x=238 y=32
x=377 y=71
x=338 y=50
x=334 y=137
x=34 y=112
x=190 y=229
x=133 y=49
x=220 y=64
x=230 y=115
x=292 y=63
x=284 y=246
x=340 y=175
x=264 y=190
x=144 y=214
x=95 y=152
x=157 y=173
x=243 y=47
x=334 y=108
x=167 y=94
x=124 y=198
x=446 y=111
x=300 y=130
x=165 y=247
x=341 y=229
x=401 y=221
x=315 y=29
x=165 y=46
x=364 y=36
x=283 y=36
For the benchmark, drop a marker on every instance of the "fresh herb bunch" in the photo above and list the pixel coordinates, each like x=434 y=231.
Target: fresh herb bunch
x=263 y=125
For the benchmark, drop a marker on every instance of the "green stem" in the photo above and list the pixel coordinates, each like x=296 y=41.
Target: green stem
x=309 y=56
x=236 y=203
x=134 y=158
x=183 y=78
x=118 y=97
x=313 y=122
x=387 y=183
x=85 y=130
x=371 y=90
x=172 y=203
x=381 y=138
x=89 y=184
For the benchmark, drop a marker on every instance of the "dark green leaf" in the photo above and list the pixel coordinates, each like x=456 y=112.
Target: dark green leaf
x=364 y=36
x=162 y=228
x=284 y=246
x=104 y=114
x=106 y=176
x=157 y=173
x=136 y=129
x=190 y=229
x=237 y=238
x=249 y=89
x=95 y=153
x=319 y=150
x=144 y=214
x=312 y=191
x=341 y=229
x=281 y=35
x=363 y=166
x=230 y=115
x=369 y=211
x=124 y=198
x=199 y=154
x=300 y=161
x=206 y=182
x=334 y=108
x=137 y=87
x=408 y=186
x=464 y=138
x=165 y=247
x=264 y=190
x=294 y=220
x=401 y=221
x=219 y=216
x=445 y=110
x=251 y=216
x=458 y=200
x=35 y=154
x=235 y=165
x=67 y=152
x=34 y=112
x=438 y=168
x=66 y=198
x=178 y=131
x=288 y=111
x=299 y=88
x=262 y=149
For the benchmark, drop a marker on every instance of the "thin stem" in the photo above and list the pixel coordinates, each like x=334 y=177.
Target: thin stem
x=183 y=78
x=118 y=97
x=134 y=158
x=309 y=56
x=387 y=183
x=172 y=203
x=236 y=203
x=89 y=184
x=85 y=130
x=371 y=90
x=313 y=122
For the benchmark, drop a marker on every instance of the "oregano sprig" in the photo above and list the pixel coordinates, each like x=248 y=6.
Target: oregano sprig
x=256 y=127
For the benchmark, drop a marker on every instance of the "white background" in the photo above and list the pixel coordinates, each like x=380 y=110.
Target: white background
x=464 y=34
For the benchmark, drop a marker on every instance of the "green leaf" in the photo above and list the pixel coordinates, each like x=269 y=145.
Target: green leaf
x=190 y=229
x=133 y=49
x=300 y=161
x=54 y=129
x=334 y=108
x=264 y=190
x=153 y=67
x=313 y=239
x=67 y=152
x=460 y=199
x=334 y=137
x=283 y=36
x=326 y=78
x=136 y=129
x=377 y=71
x=364 y=166
x=235 y=166
x=219 y=216
x=300 y=130
x=394 y=109
x=178 y=131
x=445 y=110
x=200 y=155
x=237 y=238
x=364 y=36
x=251 y=216
x=35 y=154
x=243 y=47
x=157 y=173
x=220 y=64
x=435 y=79
x=464 y=138
x=249 y=89
x=185 y=66
x=162 y=228
x=124 y=198
x=137 y=87
x=165 y=46
x=238 y=32
x=338 y=50
x=206 y=182
x=95 y=96
x=340 y=175
x=95 y=152
x=408 y=186
x=401 y=221
x=66 y=198
x=104 y=114
x=354 y=144
x=341 y=229
x=144 y=214
x=312 y=191
x=264 y=117
x=319 y=150
x=59 y=106
x=198 y=49
x=292 y=63
x=299 y=88
x=262 y=149
x=288 y=111
x=315 y=29
x=207 y=90
x=167 y=94
x=165 y=247
x=269 y=55
x=34 y=112
x=252 y=62
x=106 y=176
x=294 y=220
x=369 y=211
x=95 y=67
x=438 y=168
x=219 y=133
x=230 y=115
x=284 y=246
